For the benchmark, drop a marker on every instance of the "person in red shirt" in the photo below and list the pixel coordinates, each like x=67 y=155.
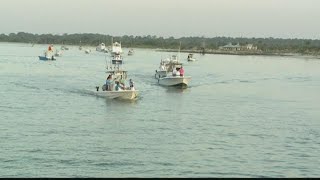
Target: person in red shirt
x=181 y=71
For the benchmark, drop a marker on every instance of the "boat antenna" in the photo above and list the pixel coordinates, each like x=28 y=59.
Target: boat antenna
x=105 y=58
x=179 y=52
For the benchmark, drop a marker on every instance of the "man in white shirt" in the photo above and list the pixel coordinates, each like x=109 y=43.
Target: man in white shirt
x=174 y=72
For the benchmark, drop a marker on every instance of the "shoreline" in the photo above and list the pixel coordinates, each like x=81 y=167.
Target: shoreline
x=208 y=51
x=245 y=53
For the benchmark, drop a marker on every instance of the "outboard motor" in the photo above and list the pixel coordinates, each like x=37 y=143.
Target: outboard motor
x=97 y=87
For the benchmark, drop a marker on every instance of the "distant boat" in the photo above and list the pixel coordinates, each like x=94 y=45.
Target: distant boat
x=130 y=52
x=48 y=54
x=87 y=51
x=45 y=58
x=101 y=47
x=64 y=48
x=58 y=53
x=116 y=49
x=116 y=52
x=190 y=57
x=80 y=46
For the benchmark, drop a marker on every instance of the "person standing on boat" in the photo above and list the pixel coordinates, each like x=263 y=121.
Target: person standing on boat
x=131 y=84
x=181 y=70
x=118 y=87
x=174 y=72
x=162 y=67
x=108 y=82
x=177 y=72
x=122 y=83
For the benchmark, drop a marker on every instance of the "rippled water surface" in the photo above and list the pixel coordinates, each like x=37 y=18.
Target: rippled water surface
x=242 y=116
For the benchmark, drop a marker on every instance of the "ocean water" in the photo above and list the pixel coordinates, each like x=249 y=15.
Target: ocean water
x=241 y=116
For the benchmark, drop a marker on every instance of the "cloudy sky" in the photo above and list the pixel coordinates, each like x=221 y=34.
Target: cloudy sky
x=177 y=18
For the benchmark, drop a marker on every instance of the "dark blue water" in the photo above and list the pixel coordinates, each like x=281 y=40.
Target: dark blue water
x=242 y=116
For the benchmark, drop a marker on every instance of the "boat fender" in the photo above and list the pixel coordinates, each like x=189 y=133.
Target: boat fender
x=97 y=87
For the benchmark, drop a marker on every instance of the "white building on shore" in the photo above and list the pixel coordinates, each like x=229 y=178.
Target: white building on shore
x=238 y=47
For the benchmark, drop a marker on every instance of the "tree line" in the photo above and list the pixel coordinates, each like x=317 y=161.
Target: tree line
x=187 y=43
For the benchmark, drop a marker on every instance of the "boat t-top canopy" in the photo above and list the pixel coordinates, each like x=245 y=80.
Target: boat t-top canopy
x=118 y=73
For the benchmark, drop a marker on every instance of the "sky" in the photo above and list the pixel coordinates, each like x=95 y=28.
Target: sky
x=166 y=18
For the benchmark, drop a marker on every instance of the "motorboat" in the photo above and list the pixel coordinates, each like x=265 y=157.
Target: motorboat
x=190 y=57
x=101 y=47
x=87 y=51
x=48 y=54
x=174 y=76
x=171 y=73
x=64 y=48
x=130 y=52
x=117 y=89
x=58 y=53
x=45 y=58
x=116 y=48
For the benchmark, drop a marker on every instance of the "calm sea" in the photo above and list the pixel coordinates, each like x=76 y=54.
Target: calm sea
x=242 y=116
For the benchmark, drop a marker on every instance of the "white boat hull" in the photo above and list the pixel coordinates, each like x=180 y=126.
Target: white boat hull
x=191 y=59
x=181 y=81
x=123 y=94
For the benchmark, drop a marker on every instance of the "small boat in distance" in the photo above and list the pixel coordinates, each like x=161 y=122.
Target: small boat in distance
x=116 y=49
x=130 y=53
x=48 y=54
x=190 y=57
x=46 y=58
x=64 y=48
x=101 y=47
x=87 y=51
x=58 y=53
